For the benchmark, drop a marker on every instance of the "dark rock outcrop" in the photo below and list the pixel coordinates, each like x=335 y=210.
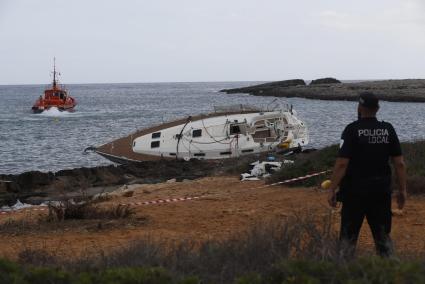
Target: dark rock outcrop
x=38 y=184
x=259 y=89
x=409 y=90
x=327 y=80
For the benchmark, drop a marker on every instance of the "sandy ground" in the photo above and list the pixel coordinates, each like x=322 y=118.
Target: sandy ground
x=226 y=206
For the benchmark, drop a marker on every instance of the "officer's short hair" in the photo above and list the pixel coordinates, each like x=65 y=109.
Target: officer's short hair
x=369 y=100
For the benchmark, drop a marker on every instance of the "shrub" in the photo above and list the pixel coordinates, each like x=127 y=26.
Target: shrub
x=324 y=159
x=221 y=261
x=42 y=275
x=302 y=248
x=37 y=257
x=364 y=270
x=87 y=210
x=130 y=275
x=307 y=163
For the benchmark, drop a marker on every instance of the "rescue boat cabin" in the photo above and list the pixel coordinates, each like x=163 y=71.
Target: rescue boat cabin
x=54 y=97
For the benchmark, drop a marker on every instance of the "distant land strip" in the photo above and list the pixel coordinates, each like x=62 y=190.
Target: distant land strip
x=407 y=90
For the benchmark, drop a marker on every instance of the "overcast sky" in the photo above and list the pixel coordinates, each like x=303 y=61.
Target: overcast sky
x=102 y=41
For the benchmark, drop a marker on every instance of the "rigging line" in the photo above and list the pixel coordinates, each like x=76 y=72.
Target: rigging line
x=186 y=147
x=212 y=137
x=181 y=135
x=192 y=144
x=206 y=143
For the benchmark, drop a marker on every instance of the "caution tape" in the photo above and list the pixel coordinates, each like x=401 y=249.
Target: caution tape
x=170 y=200
x=297 y=179
x=160 y=201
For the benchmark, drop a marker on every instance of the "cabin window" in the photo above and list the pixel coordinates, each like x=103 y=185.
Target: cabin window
x=248 y=151
x=155 y=144
x=199 y=154
x=235 y=129
x=197 y=133
x=172 y=154
x=225 y=153
x=134 y=143
x=156 y=135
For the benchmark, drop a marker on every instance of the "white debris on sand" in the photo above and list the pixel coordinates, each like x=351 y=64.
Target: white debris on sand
x=17 y=206
x=125 y=191
x=263 y=169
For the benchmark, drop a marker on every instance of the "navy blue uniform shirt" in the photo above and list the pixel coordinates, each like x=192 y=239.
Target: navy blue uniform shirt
x=369 y=144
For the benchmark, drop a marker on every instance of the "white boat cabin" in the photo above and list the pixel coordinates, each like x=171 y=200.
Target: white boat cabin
x=225 y=136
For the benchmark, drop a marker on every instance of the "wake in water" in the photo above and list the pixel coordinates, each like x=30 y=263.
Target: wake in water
x=55 y=112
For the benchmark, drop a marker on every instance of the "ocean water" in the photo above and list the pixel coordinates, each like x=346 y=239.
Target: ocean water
x=55 y=140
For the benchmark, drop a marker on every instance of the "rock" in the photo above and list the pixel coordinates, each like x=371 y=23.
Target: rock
x=128 y=193
x=171 y=180
x=258 y=89
x=31 y=179
x=409 y=90
x=123 y=191
x=327 y=80
x=81 y=182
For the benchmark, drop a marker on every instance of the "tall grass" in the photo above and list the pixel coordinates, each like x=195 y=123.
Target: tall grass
x=324 y=159
x=296 y=250
x=216 y=261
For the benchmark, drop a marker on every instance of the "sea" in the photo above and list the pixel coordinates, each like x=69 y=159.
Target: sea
x=53 y=140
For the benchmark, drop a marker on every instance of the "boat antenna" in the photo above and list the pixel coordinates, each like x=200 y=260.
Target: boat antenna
x=54 y=72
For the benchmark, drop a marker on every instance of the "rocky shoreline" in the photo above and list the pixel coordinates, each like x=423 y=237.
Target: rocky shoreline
x=409 y=90
x=35 y=187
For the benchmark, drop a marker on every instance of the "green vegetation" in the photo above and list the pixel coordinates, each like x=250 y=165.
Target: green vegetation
x=364 y=270
x=321 y=160
x=302 y=249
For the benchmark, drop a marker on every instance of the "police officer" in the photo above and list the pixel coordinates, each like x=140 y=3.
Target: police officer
x=363 y=174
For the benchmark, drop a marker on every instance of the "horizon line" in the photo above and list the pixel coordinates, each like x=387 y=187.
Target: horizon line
x=186 y=82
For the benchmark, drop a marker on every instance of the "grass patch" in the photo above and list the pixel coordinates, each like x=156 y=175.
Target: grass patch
x=364 y=270
x=307 y=163
x=299 y=249
x=324 y=159
x=292 y=251
x=266 y=253
x=87 y=210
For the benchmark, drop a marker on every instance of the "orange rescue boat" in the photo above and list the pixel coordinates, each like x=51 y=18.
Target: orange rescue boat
x=56 y=96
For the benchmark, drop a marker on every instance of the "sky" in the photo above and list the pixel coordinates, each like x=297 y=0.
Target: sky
x=128 y=41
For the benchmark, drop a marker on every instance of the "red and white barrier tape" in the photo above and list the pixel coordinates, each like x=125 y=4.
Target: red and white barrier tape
x=159 y=201
x=169 y=200
x=301 y=178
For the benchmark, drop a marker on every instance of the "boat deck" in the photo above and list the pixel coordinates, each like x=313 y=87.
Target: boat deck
x=121 y=150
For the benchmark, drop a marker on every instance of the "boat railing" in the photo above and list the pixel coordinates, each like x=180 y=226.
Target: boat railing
x=236 y=108
x=272 y=106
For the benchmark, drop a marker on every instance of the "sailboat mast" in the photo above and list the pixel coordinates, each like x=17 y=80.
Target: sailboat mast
x=54 y=72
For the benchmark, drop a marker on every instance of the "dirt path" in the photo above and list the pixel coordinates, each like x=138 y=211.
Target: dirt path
x=226 y=206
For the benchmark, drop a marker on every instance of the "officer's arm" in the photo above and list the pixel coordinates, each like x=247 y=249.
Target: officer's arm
x=338 y=173
x=400 y=170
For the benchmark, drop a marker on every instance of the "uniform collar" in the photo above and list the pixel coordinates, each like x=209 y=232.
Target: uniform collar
x=368 y=118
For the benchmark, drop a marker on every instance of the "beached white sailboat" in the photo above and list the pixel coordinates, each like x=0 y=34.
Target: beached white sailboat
x=228 y=132
x=224 y=136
